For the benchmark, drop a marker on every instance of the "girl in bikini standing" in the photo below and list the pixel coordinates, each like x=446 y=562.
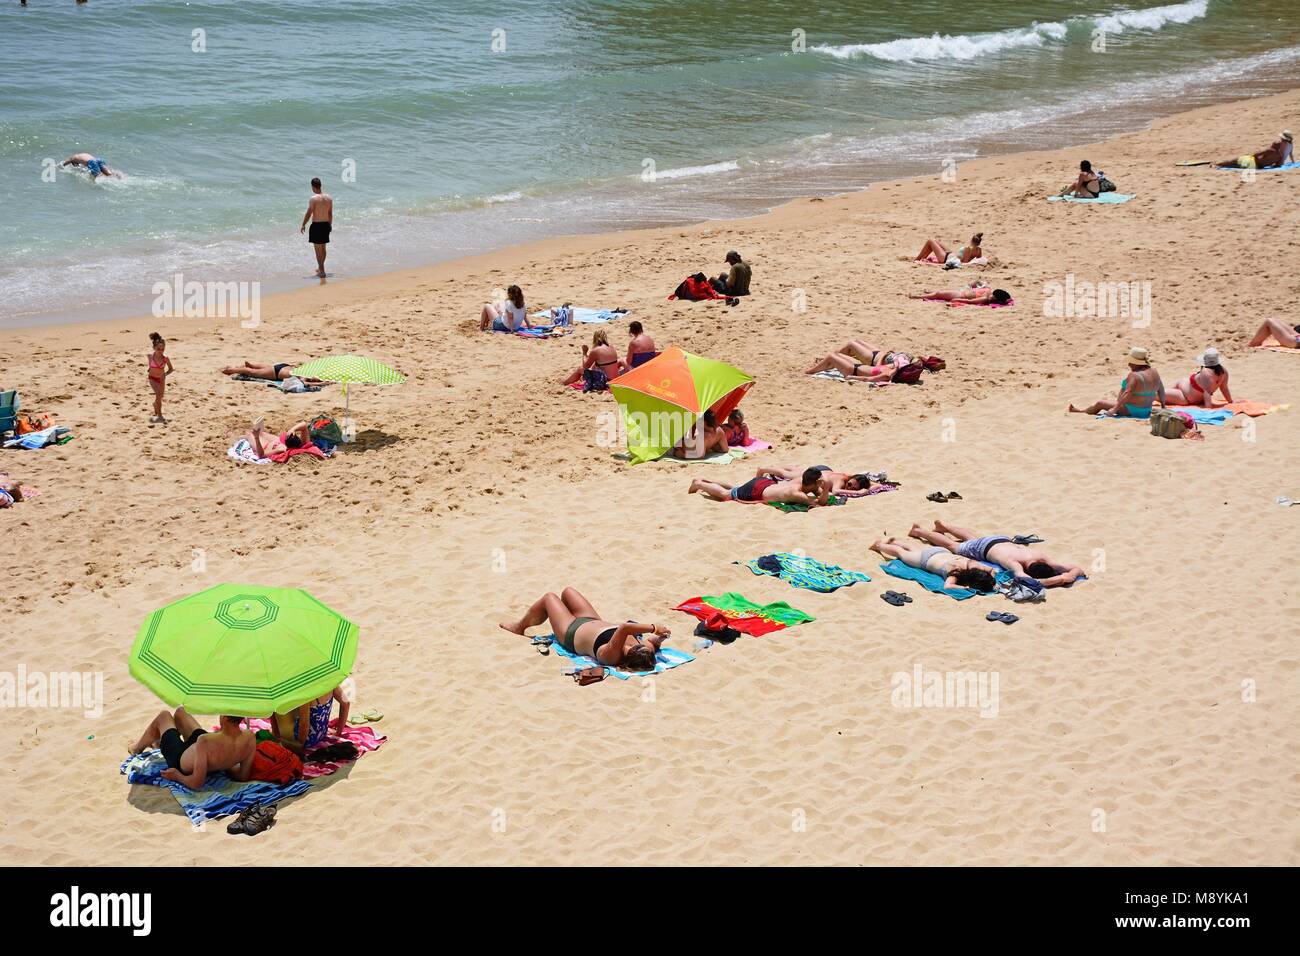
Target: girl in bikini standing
x=160 y=366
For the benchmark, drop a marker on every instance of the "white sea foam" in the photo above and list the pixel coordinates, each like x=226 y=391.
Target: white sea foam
x=711 y=169
x=972 y=46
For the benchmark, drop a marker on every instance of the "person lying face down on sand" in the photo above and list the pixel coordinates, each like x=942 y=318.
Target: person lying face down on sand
x=307 y=727
x=705 y=439
x=1140 y=389
x=1200 y=386
x=601 y=357
x=640 y=347
x=1287 y=336
x=836 y=481
x=191 y=753
x=1086 y=186
x=952 y=256
x=266 y=444
x=277 y=372
x=1277 y=153
x=812 y=489
x=95 y=166
x=978 y=293
x=956 y=571
x=1021 y=560
x=580 y=629
x=861 y=361
x=505 y=315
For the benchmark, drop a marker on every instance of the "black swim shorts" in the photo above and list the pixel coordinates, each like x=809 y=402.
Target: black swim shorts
x=173 y=745
x=318 y=233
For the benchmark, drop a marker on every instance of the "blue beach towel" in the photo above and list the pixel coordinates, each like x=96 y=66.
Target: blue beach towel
x=220 y=796
x=934 y=583
x=1103 y=199
x=805 y=572
x=666 y=659
x=1202 y=416
x=589 y=316
x=48 y=436
x=1270 y=169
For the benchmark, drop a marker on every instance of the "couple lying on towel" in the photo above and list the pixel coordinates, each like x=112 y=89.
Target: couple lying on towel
x=785 y=484
x=965 y=559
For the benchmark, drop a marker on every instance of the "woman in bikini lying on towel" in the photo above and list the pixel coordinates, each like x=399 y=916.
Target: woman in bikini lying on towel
x=957 y=572
x=272 y=373
x=977 y=294
x=1199 y=389
x=936 y=250
x=1287 y=336
x=839 y=480
x=861 y=362
x=267 y=444
x=580 y=629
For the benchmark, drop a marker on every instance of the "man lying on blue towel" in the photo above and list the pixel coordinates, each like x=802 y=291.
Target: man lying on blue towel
x=1021 y=560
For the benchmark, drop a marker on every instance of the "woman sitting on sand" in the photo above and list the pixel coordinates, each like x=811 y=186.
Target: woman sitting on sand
x=957 y=572
x=579 y=629
x=936 y=250
x=1199 y=389
x=268 y=445
x=505 y=315
x=272 y=373
x=839 y=481
x=705 y=439
x=1086 y=186
x=1287 y=336
x=640 y=347
x=977 y=294
x=1140 y=389
x=600 y=363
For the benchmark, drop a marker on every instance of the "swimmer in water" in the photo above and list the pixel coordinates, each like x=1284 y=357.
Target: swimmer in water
x=97 y=167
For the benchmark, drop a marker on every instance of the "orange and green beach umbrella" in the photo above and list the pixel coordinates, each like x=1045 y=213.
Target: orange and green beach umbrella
x=662 y=399
x=243 y=650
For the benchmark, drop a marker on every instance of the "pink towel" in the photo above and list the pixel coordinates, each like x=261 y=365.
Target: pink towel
x=754 y=444
x=991 y=305
x=307 y=449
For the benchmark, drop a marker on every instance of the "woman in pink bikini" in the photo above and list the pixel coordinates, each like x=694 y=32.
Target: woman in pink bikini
x=1199 y=389
x=160 y=366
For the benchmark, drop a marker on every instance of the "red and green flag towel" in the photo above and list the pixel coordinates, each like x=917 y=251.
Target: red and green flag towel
x=734 y=611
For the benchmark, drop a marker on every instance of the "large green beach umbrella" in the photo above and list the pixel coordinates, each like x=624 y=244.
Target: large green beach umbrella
x=243 y=650
x=350 y=370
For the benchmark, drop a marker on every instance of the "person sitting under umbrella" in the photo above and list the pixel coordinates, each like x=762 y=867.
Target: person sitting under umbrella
x=705 y=439
x=308 y=726
x=579 y=629
x=192 y=753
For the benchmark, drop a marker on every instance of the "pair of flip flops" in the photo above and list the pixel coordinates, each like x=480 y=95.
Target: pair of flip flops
x=940 y=497
x=1026 y=539
x=1001 y=616
x=370 y=716
x=543 y=645
x=254 y=820
x=896 y=598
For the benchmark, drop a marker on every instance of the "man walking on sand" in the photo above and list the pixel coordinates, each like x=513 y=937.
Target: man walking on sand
x=320 y=213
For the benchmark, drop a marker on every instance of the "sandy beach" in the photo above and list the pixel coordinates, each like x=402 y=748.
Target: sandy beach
x=1145 y=717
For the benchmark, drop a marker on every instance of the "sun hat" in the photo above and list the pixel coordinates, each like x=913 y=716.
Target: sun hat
x=1286 y=135
x=1210 y=357
x=1138 y=356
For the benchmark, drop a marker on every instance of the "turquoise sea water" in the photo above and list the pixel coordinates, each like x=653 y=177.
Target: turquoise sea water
x=472 y=127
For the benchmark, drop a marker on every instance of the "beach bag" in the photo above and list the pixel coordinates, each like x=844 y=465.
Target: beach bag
x=1167 y=424
x=326 y=428
x=594 y=380
x=1105 y=185
x=275 y=763
x=909 y=374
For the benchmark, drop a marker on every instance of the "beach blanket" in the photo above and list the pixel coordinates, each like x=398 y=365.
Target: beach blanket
x=933 y=582
x=665 y=659
x=930 y=260
x=835 y=375
x=287 y=385
x=538 y=331
x=788 y=506
x=1202 y=416
x=1241 y=407
x=219 y=796
x=1271 y=344
x=802 y=571
x=363 y=738
x=733 y=453
x=738 y=612
x=1269 y=169
x=54 y=435
x=1107 y=199
x=589 y=316
x=988 y=305
x=280 y=457
x=242 y=451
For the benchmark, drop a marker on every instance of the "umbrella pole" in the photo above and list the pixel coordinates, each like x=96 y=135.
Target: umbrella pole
x=347 y=415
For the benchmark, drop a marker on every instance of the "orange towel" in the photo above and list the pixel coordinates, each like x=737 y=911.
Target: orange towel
x=1271 y=344
x=1243 y=407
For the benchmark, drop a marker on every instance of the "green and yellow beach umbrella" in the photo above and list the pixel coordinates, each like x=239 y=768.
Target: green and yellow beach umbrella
x=350 y=370
x=662 y=399
x=243 y=650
